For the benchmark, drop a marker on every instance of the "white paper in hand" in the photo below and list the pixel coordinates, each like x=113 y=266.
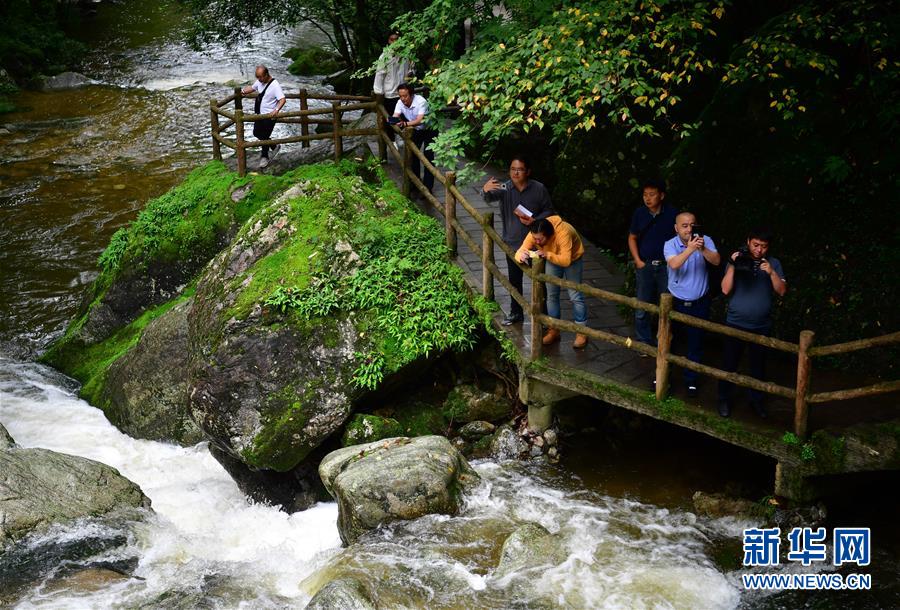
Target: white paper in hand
x=523 y=211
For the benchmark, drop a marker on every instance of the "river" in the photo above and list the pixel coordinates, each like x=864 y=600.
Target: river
x=79 y=164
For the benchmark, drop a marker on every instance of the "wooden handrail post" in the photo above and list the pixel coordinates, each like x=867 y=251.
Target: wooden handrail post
x=238 y=99
x=379 y=124
x=239 y=142
x=449 y=212
x=406 y=134
x=804 y=370
x=214 y=126
x=537 y=301
x=338 y=136
x=487 y=258
x=664 y=343
x=304 y=121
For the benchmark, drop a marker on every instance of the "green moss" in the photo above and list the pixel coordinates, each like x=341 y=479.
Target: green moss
x=368 y=428
x=312 y=61
x=89 y=364
x=421 y=419
x=829 y=451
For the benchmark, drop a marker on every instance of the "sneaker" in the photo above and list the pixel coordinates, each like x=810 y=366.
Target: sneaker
x=580 y=341
x=692 y=391
x=512 y=318
x=264 y=163
x=724 y=408
x=275 y=150
x=550 y=337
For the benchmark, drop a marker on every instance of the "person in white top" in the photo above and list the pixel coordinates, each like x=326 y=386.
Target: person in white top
x=411 y=111
x=389 y=73
x=270 y=100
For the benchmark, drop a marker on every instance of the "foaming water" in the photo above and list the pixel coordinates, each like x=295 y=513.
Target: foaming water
x=614 y=552
x=203 y=526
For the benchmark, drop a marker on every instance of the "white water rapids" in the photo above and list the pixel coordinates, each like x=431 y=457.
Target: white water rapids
x=618 y=553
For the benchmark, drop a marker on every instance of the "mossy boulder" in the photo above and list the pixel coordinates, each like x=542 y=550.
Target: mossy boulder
x=467 y=403
x=530 y=546
x=312 y=61
x=367 y=428
x=393 y=479
x=330 y=291
x=145 y=391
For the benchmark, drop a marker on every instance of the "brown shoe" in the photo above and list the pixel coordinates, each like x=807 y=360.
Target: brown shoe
x=580 y=341
x=551 y=336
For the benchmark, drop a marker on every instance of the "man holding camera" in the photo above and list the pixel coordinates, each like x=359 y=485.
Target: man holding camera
x=522 y=201
x=651 y=227
x=751 y=280
x=687 y=255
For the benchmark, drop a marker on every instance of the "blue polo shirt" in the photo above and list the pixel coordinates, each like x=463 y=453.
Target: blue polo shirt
x=690 y=281
x=652 y=237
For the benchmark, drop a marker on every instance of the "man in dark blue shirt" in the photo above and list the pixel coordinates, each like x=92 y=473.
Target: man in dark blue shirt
x=651 y=226
x=752 y=280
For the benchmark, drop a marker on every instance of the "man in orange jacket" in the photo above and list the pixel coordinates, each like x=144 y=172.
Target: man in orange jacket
x=558 y=243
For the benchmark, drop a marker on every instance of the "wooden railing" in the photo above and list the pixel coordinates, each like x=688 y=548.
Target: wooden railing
x=337 y=105
x=804 y=349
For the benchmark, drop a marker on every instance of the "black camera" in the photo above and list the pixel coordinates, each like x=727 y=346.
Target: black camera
x=696 y=232
x=745 y=263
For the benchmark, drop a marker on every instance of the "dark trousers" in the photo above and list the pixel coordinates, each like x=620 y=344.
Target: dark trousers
x=698 y=309
x=390 y=104
x=263 y=131
x=650 y=282
x=733 y=349
x=515 y=278
x=423 y=138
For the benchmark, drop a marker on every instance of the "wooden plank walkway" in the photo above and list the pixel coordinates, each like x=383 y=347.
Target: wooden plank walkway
x=607 y=360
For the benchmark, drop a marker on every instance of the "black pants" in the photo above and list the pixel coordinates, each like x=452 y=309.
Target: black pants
x=423 y=138
x=390 y=104
x=263 y=131
x=515 y=278
x=732 y=352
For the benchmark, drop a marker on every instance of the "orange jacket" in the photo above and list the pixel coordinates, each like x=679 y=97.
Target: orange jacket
x=563 y=249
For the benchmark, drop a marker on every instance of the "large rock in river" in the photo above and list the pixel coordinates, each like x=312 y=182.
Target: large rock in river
x=39 y=487
x=268 y=393
x=393 y=479
x=146 y=390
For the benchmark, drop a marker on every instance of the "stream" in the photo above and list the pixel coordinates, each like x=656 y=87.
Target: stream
x=77 y=165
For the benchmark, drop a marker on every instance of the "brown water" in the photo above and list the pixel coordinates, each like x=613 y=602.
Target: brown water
x=76 y=165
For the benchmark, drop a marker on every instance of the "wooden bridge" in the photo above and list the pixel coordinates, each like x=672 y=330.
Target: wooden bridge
x=858 y=427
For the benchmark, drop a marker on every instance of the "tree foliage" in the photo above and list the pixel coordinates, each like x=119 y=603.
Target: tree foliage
x=356 y=29
x=645 y=67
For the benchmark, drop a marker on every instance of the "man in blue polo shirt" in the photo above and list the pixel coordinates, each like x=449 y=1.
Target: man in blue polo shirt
x=751 y=280
x=687 y=255
x=651 y=225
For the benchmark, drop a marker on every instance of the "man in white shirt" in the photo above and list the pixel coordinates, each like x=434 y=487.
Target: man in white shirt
x=390 y=72
x=270 y=100
x=411 y=111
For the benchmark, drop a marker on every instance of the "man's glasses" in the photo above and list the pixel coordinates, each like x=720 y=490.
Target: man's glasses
x=517 y=170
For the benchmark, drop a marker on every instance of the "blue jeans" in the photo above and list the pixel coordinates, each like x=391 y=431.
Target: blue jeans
x=573 y=274
x=650 y=282
x=698 y=309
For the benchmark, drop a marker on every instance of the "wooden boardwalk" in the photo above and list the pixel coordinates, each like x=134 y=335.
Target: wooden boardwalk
x=623 y=377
